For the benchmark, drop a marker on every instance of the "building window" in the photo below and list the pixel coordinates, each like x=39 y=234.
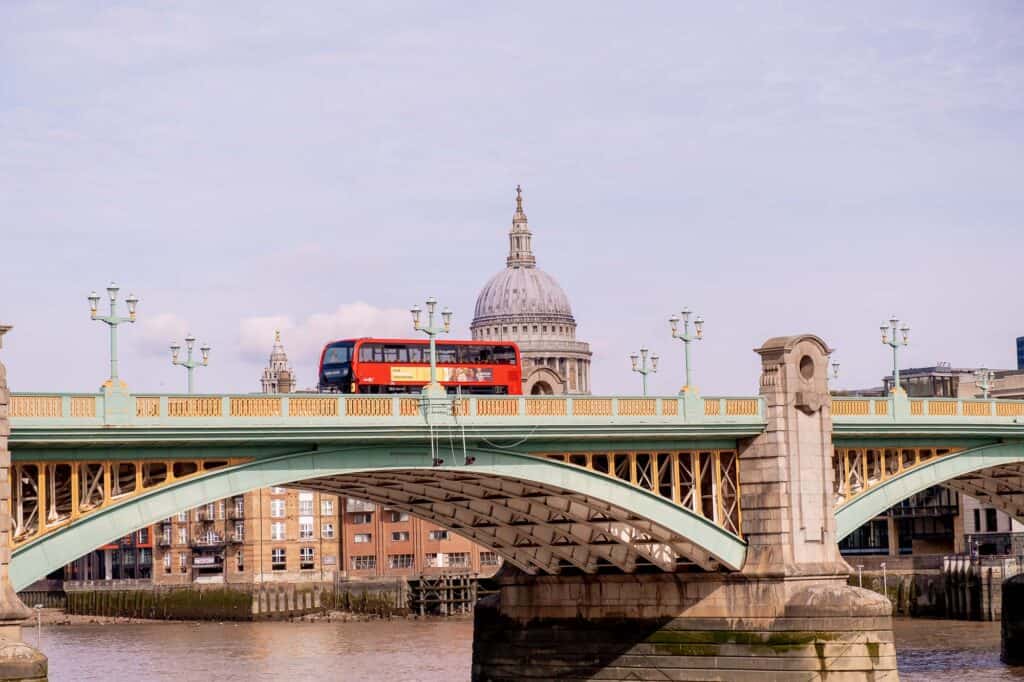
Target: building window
x=326 y=507
x=438 y=535
x=239 y=561
x=220 y=509
x=361 y=518
x=182 y=516
x=277 y=490
x=143 y=536
x=277 y=559
x=433 y=560
x=277 y=509
x=364 y=563
x=399 y=516
x=305 y=504
x=305 y=558
x=167 y=563
x=362 y=538
x=277 y=530
x=977 y=520
x=488 y=558
x=305 y=527
x=239 y=533
x=183 y=536
x=991 y=522
x=400 y=536
x=182 y=562
x=327 y=531
x=239 y=507
x=459 y=559
x=145 y=558
x=400 y=561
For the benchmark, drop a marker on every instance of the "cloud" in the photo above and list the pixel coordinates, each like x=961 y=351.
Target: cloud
x=157 y=331
x=304 y=339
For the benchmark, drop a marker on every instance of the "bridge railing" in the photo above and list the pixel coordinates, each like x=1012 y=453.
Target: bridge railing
x=902 y=408
x=147 y=409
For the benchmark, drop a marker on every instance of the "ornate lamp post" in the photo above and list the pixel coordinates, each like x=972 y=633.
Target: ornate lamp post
x=686 y=338
x=890 y=338
x=433 y=388
x=983 y=379
x=112 y=321
x=640 y=365
x=188 y=363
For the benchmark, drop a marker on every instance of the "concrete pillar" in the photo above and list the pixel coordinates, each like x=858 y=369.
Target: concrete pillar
x=18 y=661
x=894 y=535
x=108 y=564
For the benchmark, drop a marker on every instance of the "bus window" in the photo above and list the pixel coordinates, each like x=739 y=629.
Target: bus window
x=504 y=355
x=371 y=352
x=476 y=355
x=336 y=355
x=420 y=354
x=396 y=354
x=446 y=353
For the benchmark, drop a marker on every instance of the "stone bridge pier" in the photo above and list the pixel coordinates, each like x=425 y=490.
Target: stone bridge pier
x=787 y=615
x=18 y=661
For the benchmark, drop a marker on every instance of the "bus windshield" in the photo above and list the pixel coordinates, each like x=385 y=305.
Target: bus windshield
x=338 y=354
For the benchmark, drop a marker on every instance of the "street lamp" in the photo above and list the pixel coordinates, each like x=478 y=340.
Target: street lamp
x=432 y=332
x=112 y=321
x=894 y=341
x=983 y=379
x=686 y=338
x=188 y=363
x=640 y=365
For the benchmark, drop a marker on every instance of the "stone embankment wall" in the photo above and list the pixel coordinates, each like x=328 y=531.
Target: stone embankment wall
x=957 y=587
x=384 y=598
x=916 y=586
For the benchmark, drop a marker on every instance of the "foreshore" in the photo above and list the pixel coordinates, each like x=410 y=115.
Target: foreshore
x=51 y=617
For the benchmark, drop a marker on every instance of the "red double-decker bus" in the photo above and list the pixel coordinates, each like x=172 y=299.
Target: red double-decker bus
x=403 y=366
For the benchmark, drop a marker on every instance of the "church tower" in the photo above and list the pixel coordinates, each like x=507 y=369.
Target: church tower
x=278 y=376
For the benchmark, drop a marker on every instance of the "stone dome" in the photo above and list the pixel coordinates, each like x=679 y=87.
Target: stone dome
x=518 y=292
x=527 y=306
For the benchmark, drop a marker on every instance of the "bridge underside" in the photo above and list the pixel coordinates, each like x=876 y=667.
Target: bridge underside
x=1000 y=486
x=538 y=527
x=543 y=515
x=879 y=478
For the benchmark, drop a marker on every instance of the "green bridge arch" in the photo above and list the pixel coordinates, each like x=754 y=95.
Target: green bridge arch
x=59 y=547
x=881 y=497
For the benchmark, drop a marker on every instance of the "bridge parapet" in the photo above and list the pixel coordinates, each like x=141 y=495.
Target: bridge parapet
x=854 y=410
x=50 y=409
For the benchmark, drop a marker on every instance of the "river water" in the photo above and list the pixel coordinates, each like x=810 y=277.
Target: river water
x=931 y=650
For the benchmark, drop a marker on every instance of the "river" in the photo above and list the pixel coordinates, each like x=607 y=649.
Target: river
x=931 y=650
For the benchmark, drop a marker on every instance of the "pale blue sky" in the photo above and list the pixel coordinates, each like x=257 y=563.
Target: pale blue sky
x=779 y=168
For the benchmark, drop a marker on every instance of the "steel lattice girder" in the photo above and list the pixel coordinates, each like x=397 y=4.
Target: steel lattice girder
x=976 y=471
x=634 y=522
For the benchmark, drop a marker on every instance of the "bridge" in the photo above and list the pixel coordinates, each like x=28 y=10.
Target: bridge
x=683 y=508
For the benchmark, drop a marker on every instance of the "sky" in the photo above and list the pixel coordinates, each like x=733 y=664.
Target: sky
x=319 y=167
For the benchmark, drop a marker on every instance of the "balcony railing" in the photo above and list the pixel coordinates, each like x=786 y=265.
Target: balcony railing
x=208 y=541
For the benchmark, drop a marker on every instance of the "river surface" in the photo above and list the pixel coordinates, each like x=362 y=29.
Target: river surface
x=419 y=651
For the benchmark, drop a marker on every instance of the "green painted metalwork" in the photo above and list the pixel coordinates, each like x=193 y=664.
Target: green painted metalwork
x=113 y=321
x=188 y=363
x=894 y=490
x=641 y=367
x=35 y=559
